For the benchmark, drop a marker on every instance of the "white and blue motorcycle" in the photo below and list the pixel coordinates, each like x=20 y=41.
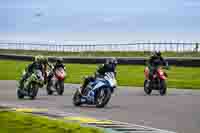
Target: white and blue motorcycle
x=98 y=92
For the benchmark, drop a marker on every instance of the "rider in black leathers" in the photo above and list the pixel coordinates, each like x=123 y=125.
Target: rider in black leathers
x=154 y=62
x=109 y=66
x=58 y=64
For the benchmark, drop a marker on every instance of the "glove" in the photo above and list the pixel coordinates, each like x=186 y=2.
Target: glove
x=166 y=67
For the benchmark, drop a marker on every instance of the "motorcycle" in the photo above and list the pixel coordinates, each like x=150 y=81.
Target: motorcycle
x=96 y=93
x=56 y=84
x=158 y=81
x=31 y=85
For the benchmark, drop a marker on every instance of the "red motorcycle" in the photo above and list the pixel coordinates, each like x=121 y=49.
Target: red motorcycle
x=57 y=82
x=157 y=82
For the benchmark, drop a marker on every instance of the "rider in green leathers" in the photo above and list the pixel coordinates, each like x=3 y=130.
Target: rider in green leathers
x=40 y=63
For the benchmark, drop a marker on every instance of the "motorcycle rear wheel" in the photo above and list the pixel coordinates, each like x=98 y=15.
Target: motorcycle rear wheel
x=60 y=87
x=49 y=91
x=163 y=87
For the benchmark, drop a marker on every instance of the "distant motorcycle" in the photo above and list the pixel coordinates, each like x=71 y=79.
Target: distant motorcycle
x=157 y=83
x=31 y=85
x=56 y=84
x=96 y=93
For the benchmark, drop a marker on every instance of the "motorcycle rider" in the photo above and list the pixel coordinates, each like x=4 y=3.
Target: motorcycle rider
x=58 y=64
x=40 y=62
x=109 y=66
x=154 y=62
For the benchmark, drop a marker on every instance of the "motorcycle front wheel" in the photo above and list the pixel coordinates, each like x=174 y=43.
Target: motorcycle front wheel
x=103 y=96
x=33 y=91
x=147 y=88
x=20 y=95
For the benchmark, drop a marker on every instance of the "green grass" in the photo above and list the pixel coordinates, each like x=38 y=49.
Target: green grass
x=98 y=53
x=15 y=122
x=127 y=75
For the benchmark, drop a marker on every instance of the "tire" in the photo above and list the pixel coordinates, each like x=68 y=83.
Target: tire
x=49 y=91
x=20 y=95
x=163 y=87
x=77 y=98
x=147 y=90
x=106 y=98
x=33 y=92
x=60 y=87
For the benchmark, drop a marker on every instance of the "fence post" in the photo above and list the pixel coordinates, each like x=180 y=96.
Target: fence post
x=196 y=47
x=176 y=47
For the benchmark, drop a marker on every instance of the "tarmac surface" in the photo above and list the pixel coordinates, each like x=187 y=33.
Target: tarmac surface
x=179 y=111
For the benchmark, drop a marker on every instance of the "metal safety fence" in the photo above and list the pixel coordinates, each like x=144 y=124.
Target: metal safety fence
x=175 y=47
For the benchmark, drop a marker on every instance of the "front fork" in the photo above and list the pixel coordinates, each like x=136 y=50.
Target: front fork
x=155 y=84
x=89 y=98
x=32 y=78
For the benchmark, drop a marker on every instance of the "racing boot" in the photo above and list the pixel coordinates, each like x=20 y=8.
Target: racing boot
x=82 y=88
x=21 y=84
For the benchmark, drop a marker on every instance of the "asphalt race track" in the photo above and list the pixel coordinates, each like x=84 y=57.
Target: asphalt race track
x=179 y=111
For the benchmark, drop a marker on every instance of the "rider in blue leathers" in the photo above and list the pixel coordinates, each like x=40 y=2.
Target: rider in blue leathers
x=109 y=66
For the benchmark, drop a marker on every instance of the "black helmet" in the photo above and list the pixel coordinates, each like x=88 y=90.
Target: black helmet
x=111 y=61
x=157 y=53
x=45 y=60
x=59 y=60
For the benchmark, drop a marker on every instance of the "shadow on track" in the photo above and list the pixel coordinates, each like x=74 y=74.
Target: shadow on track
x=109 y=107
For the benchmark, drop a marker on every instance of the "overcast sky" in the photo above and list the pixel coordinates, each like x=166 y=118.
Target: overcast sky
x=130 y=16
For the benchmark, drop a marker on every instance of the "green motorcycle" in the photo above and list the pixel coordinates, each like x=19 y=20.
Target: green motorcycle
x=31 y=85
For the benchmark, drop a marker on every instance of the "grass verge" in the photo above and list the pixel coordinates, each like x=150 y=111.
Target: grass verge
x=15 y=122
x=127 y=75
x=98 y=53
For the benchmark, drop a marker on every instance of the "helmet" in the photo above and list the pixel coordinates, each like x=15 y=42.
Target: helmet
x=41 y=59
x=38 y=58
x=111 y=61
x=157 y=53
x=59 y=60
x=45 y=60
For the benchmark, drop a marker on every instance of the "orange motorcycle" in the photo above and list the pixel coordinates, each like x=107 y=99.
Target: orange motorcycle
x=157 y=80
